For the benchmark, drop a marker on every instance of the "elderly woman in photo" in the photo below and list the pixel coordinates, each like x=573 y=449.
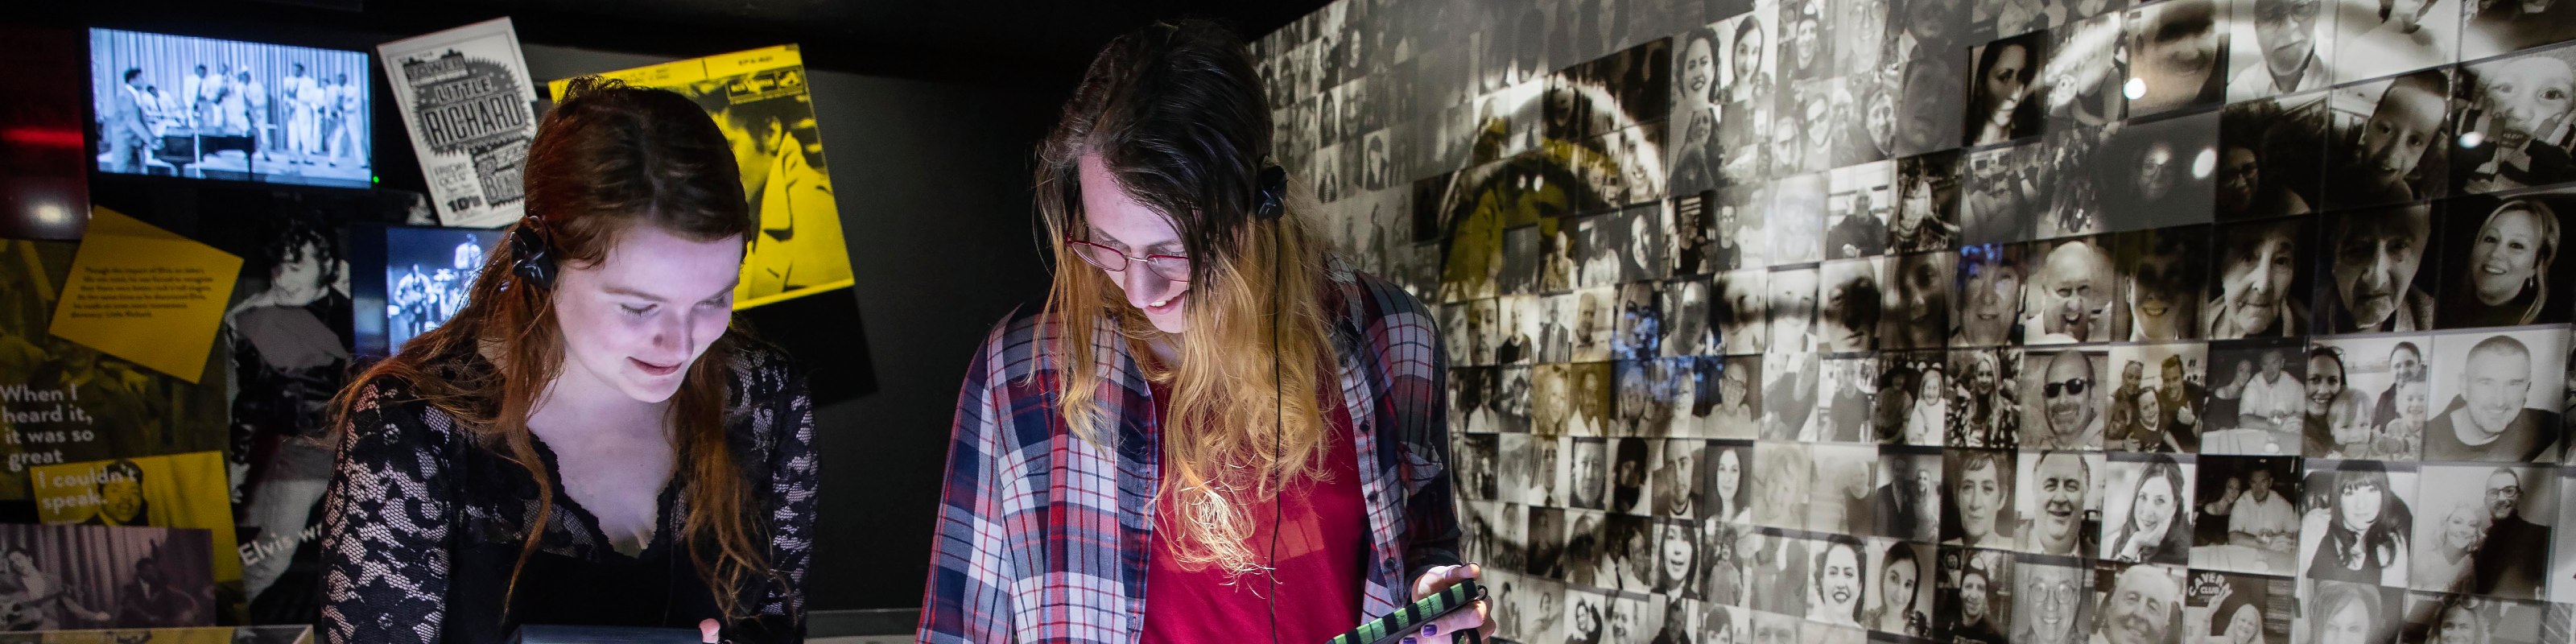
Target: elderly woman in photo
x=2158 y=526
x=2504 y=277
x=2255 y=267
x=2360 y=534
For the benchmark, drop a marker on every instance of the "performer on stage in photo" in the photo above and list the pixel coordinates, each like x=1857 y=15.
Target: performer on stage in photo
x=1189 y=430
x=587 y=442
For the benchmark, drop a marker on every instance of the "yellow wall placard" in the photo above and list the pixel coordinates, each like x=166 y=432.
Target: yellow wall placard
x=146 y=295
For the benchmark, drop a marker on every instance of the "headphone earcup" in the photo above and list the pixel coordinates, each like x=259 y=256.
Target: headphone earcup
x=1274 y=189
x=531 y=260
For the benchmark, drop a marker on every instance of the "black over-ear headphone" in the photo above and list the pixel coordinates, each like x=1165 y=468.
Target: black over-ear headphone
x=531 y=258
x=1271 y=200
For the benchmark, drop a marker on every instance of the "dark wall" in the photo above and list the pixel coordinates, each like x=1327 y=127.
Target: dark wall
x=933 y=182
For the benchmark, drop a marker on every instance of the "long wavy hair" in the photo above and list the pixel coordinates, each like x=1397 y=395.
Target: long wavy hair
x=1175 y=113
x=606 y=159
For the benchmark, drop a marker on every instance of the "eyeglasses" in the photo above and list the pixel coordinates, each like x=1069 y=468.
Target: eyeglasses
x=1171 y=267
x=2072 y=386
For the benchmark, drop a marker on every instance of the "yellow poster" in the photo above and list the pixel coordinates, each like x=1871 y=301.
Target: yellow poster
x=145 y=295
x=175 y=491
x=759 y=99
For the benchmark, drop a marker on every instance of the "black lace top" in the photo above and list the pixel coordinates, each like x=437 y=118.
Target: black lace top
x=420 y=531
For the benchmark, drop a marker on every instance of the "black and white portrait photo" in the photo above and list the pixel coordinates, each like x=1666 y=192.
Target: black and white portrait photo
x=1858 y=209
x=1676 y=479
x=1589 y=479
x=1741 y=311
x=1596 y=318
x=1737 y=408
x=2278 y=47
x=2400 y=38
x=2271 y=157
x=1991 y=282
x=69 y=577
x=1845 y=477
x=2083 y=84
x=1927 y=204
x=1790 y=384
x=2146 y=509
x=1909 y=495
x=2367 y=397
x=1849 y=393
x=2060 y=502
x=2006 y=190
x=2162 y=277
x=1685 y=324
x=1796 y=221
x=2156 y=397
x=1781 y=478
x=1917 y=309
x=2071 y=294
x=2004 y=90
x=2138 y=603
x=2158 y=174
x=2245 y=515
x=2258 y=389
x=1727 y=493
x=1900 y=579
x=2357 y=521
x=2375 y=262
x=2066 y=390
x=1792 y=310
x=2488 y=404
x=2501 y=256
x=1849 y=305
x=2052 y=600
x=1841 y=584
x=1914 y=396
x=1694 y=251
x=2514 y=125
x=1979 y=512
x=1986 y=411
x=2480 y=526
x=2348 y=611
x=1737 y=230
x=2390 y=140
x=2257 y=269
x=1980 y=585
x=1639 y=334
x=2178 y=52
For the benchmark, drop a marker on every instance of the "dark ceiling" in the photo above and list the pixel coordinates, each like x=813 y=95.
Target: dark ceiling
x=1002 y=41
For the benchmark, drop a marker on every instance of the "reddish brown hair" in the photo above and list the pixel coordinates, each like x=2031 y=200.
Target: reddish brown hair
x=607 y=158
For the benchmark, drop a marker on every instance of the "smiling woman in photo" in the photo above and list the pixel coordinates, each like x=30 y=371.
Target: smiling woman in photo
x=2503 y=278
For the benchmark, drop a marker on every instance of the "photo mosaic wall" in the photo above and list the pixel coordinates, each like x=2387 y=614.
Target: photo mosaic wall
x=1978 y=320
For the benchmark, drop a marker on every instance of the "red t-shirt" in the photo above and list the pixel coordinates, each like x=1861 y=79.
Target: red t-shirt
x=1322 y=564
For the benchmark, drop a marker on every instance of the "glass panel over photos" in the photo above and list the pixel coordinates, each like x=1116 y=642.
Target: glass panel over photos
x=1978 y=320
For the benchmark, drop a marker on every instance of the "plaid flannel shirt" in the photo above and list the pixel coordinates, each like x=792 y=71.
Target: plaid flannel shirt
x=1043 y=537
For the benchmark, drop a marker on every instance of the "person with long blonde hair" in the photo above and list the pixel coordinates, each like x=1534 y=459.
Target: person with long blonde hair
x=589 y=441
x=1204 y=378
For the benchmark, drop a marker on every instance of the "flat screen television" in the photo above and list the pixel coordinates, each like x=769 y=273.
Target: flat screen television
x=410 y=279
x=203 y=108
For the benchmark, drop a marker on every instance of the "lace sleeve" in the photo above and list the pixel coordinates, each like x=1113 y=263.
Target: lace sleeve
x=384 y=526
x=792 y=511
